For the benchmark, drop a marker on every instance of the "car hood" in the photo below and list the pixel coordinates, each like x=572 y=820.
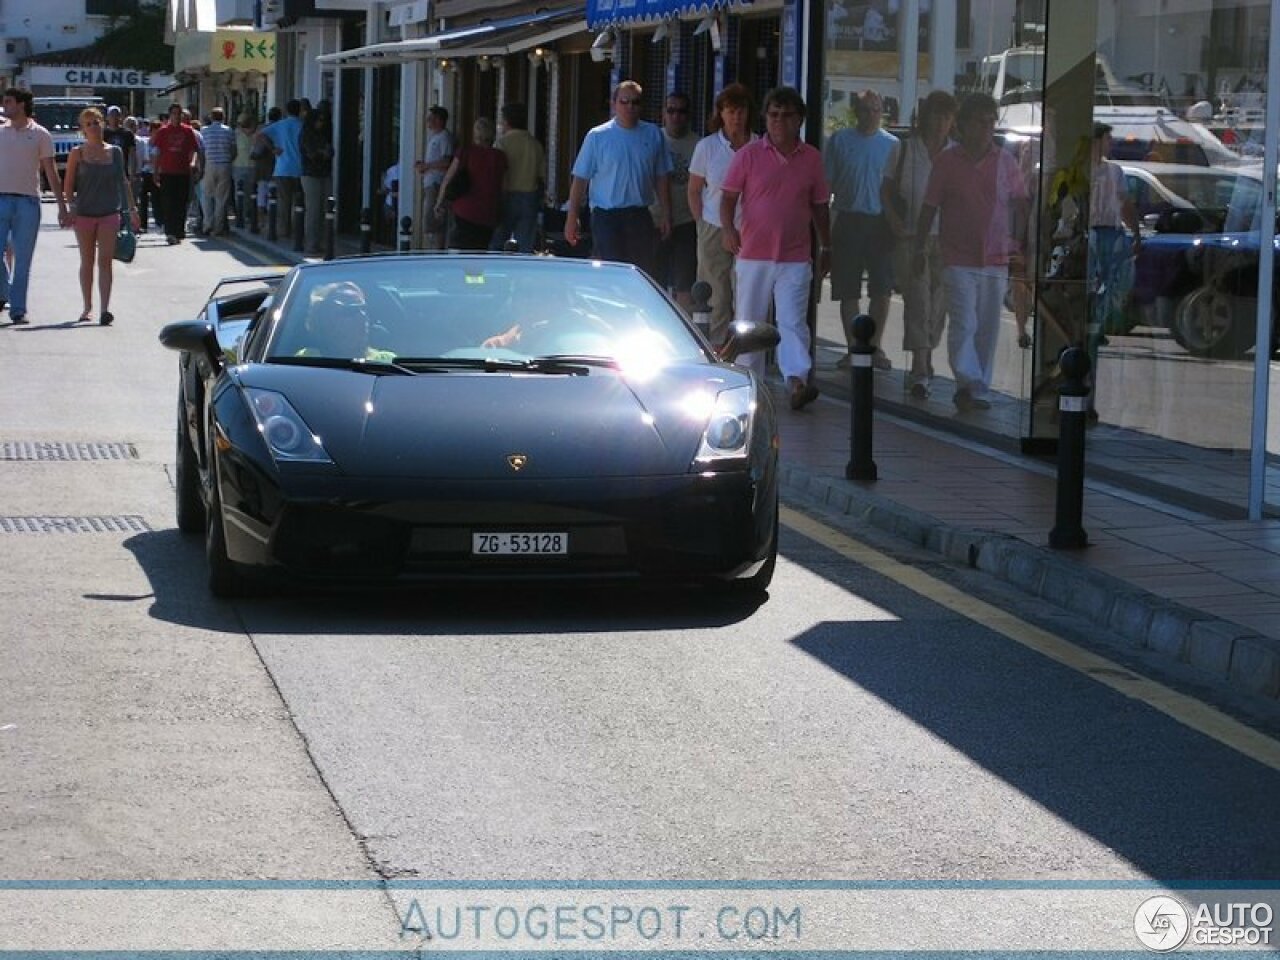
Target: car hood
x=469 y=424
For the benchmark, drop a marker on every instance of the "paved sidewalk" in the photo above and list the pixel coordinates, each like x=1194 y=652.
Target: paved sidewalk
x=1200 y=590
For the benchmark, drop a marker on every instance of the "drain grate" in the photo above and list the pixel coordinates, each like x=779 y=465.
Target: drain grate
x=58 y=451
x=121 y=523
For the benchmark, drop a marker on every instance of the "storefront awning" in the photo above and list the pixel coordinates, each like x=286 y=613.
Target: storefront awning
x=612 y=13
x=492 y=38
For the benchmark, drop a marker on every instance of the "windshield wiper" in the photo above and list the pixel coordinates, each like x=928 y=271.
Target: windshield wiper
x=581 y=359
x=567 y=366
x=358 y=364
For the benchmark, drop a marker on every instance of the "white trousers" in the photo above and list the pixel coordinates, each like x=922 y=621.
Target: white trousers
x=975 y=299
x=786 y=286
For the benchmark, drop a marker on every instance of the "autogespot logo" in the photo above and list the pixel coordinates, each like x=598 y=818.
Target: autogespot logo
x=1162 y=924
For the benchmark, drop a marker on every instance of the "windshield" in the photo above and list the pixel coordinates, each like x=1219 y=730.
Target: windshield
x=476 y=308
x=59 y=117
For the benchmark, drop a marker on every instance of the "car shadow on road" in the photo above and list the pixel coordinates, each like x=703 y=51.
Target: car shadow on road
x=175 y=567
x=1176 y=804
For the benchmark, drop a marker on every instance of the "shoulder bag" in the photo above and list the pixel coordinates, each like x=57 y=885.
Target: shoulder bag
x=126 y=239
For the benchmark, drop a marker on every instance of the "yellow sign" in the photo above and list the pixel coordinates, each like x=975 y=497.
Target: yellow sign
x=243 y=50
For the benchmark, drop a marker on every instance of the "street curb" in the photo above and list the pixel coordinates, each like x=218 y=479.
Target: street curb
x=1222 y=651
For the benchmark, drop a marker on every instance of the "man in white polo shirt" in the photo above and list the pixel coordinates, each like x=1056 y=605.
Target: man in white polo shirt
x=25 y=149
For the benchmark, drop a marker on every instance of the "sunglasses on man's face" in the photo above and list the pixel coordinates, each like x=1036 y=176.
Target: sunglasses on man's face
x=677 y=109
x=629 y=102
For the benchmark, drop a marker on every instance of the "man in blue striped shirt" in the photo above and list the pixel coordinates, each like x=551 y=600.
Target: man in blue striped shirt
x=219 y=152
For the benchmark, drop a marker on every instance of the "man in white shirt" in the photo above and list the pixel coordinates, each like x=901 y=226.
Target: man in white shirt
x=707 y=169
x=439 y=155
x=26 y=148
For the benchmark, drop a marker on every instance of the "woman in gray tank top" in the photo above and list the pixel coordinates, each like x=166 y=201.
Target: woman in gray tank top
x=98 y=190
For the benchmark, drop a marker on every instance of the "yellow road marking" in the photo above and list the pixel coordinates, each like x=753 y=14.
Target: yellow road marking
x=1186 y=710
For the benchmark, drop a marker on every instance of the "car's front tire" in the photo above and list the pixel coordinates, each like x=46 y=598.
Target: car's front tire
x=225 y=577
x=186 y=481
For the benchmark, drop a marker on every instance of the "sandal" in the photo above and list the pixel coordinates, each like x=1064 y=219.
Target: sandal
x=107 y=318
x=84 y=317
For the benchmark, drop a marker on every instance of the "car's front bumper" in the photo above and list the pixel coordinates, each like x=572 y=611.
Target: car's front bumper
x=715 y=525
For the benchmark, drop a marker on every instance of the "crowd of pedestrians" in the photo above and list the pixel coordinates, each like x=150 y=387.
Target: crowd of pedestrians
x=940 y=215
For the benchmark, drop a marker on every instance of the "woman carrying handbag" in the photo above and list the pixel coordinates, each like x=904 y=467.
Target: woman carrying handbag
x=98 y=191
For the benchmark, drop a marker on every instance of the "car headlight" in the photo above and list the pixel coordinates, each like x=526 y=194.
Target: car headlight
x=287 y=435
x=728 y=432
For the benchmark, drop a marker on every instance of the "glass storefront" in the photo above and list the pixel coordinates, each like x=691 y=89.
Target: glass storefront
x=1111 y=118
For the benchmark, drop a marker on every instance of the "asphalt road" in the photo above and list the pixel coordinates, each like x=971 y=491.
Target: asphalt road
x=852 y=727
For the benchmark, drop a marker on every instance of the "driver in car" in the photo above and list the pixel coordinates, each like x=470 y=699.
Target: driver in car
x=551 y=323
x=337 y=325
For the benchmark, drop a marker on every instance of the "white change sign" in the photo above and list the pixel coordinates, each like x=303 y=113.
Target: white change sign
x=122 y=77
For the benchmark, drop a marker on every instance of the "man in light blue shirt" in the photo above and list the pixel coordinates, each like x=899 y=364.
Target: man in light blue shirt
x=625 y=164
x=286 y=137
x=861 y=241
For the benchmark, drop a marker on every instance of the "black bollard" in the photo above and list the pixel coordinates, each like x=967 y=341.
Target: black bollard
x=700 y=294
x=512 y=245
x=861 y=468
x=330 y=226
x=366 y=230
x=406 y=234
x=238 y=187
x=1073 y=411
x=299 y=222
x=273 y=204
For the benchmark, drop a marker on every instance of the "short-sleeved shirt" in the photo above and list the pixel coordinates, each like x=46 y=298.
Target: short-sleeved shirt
x=144 y=153
x=126 y=140
x=486 y=167
x=680 y=153
x=440 y=146
x=244 y=147
x=172 y=147
x=623 y=164
x=286 y=135
x=909 y=168
x=1107 y=196
x=976 y=202
x=526 y=161
x=711 y=159
x=21 y=152
x=778 y=194
x=219 y=143
x=855 y=163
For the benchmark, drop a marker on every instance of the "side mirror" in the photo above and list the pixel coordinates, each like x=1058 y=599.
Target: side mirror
x=197 y=337
x=749 y=338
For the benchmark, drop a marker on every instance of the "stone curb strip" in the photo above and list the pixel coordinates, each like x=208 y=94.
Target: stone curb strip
x=1224 y=651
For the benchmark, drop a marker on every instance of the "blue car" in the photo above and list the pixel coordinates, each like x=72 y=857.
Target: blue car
x=1197 y=272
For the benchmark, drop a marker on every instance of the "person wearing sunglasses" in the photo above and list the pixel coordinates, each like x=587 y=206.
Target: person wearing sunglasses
x=622 y=168
x=678 y=254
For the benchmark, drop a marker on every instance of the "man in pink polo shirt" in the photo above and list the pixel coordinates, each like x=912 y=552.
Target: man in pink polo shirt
x=783 y=190
x=983 y=198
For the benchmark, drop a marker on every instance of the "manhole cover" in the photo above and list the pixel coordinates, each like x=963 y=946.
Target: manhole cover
x=58 y=451
x=125 y=523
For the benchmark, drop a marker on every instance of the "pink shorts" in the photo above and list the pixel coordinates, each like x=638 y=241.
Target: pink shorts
x=111 y=220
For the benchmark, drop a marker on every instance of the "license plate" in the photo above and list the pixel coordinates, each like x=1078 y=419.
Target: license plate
x=519 y=544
